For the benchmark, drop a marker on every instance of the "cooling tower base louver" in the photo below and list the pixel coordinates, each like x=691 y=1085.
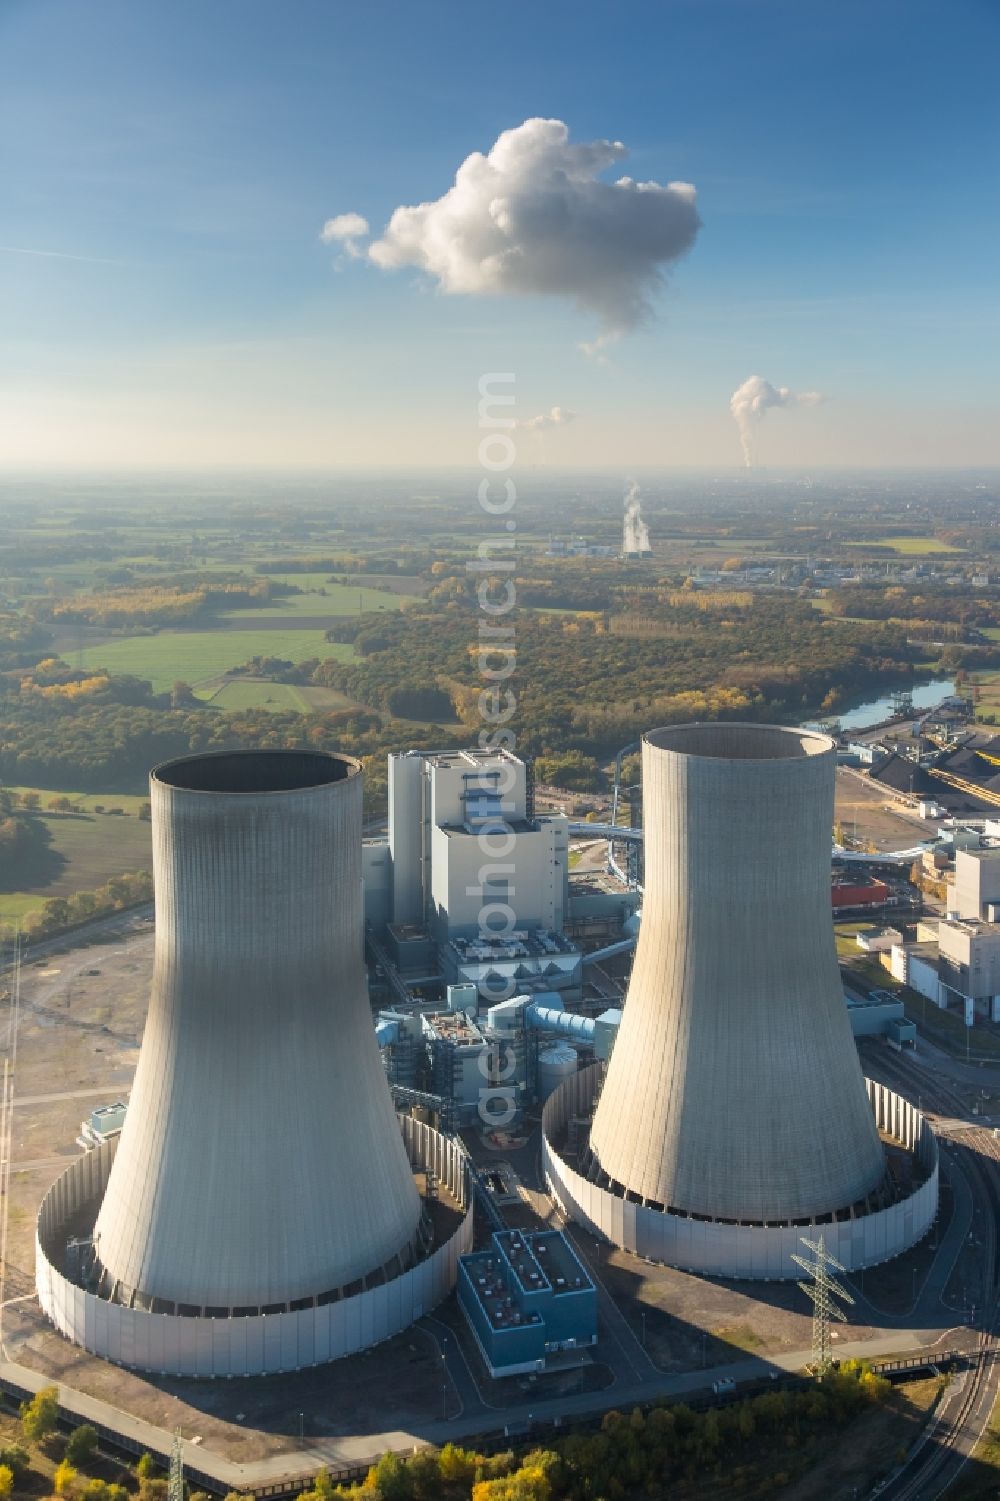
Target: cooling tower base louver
x=246 y=1345
x=860 y=1236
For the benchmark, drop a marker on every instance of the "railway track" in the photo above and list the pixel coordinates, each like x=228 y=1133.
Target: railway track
x=935 y=1463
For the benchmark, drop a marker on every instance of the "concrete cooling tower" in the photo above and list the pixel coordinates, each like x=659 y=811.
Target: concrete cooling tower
x=262 y=1170
x=734 y=1098
x=734 y=1089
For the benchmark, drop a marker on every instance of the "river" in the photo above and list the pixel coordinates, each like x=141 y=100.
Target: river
x=925 y=696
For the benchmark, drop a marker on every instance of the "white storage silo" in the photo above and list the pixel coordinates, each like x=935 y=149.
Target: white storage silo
x=555 y=1064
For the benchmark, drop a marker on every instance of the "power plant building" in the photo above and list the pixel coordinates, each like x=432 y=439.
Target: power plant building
x=976 y=890
x=463 y=835
x=734 y=1110
x=527 y=1297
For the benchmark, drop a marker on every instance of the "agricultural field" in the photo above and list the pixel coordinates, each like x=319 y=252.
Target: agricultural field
x=193 y=656
x=987 y=694
x=79 y=853
x=319 y=597
x=909 y=546
x=86 y=802
x=255 y=693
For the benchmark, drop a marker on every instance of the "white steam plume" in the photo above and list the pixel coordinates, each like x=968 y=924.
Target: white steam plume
x=555 y=417
x=635 y=533
x=750 y=402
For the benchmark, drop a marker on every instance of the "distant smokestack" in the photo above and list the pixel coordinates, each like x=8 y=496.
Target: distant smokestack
x=635 y=533
x=750 y=402
x=261 y=1163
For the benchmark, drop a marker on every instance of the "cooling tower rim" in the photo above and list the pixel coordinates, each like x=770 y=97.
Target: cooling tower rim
x=251 y=771
x=703 y=740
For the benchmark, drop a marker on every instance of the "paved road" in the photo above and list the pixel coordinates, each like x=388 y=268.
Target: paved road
x=340 y=1453
x=93 y=1092
x=929 y=1304
x=124 y=923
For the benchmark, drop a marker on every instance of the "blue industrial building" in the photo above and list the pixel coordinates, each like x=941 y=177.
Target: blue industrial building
x=526 y=1297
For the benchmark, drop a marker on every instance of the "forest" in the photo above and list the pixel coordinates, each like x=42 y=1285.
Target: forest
x=582 y=684
x=752 y=1447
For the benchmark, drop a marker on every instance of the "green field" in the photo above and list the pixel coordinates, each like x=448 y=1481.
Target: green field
x=988 y=692
x=193 y=656
x=912 y=546
x=253 y=693
x=15 y=905
x=319 y=598
x=846 y=934
x=82 y=852
x=88 y=801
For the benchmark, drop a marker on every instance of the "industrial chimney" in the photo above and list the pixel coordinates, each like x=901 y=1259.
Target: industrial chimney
x=261 y=1165
x=734 y=1092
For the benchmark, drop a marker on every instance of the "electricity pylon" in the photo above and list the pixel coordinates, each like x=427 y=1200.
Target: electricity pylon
x=823 y=1290
x=175 y=1481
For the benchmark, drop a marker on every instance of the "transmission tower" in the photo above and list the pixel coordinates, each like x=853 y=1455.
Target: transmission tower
x=175 y=1481
x=824 y=1290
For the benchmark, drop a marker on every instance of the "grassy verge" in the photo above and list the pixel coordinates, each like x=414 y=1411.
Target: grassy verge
x=740 y=1337
x=846 y=935
x=947 y=1029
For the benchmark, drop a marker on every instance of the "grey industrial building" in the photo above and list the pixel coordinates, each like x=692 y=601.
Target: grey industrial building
x=443 y=807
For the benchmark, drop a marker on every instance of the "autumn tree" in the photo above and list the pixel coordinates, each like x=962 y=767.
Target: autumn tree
x=40 y=1415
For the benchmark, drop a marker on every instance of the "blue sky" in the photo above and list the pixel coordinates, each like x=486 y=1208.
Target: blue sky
x=175 y=163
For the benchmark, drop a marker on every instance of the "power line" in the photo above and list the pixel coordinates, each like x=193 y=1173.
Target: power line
x=824 y=1290
x=175 y=1481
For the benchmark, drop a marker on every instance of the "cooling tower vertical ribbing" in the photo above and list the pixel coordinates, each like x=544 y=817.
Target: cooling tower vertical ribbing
x=734 y=1091
x=261 y=1161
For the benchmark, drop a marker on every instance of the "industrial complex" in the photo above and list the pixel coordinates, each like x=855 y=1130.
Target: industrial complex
x=339 y=1028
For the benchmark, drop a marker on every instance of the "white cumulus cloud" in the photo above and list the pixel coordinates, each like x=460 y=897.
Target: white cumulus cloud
x=534 y=217
x=750 y=402
x=345 y=230
x=556 y=417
